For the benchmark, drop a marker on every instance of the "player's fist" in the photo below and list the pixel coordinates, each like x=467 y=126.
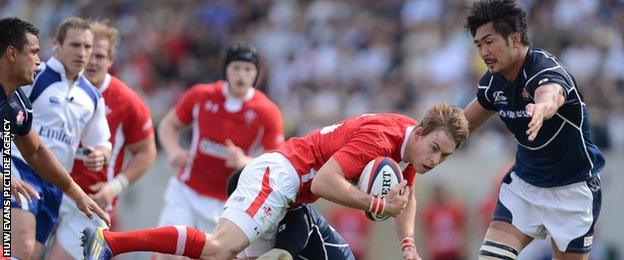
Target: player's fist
x=396 y=200
x=95 y=159
x=236 y=157
x=410 y=254
x=179 y=158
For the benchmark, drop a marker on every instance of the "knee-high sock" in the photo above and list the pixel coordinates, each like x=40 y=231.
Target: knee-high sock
x=173 y=240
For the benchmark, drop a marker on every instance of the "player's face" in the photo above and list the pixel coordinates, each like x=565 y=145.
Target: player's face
x=240 y=77
x=496 y=51
x=427 y=152
x=99 y=62
x=75 y=50
x=28 y=60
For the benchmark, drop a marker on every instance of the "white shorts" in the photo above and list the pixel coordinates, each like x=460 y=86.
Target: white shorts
x=566 y=213
x=265 y=188
x=70 y=225
x=184 y=206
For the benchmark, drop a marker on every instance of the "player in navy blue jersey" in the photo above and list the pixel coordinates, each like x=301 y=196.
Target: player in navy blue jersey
x=302 y=232
x=19 y=57
x=554 y=186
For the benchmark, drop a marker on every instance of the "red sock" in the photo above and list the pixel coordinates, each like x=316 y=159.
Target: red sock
x=173 y=240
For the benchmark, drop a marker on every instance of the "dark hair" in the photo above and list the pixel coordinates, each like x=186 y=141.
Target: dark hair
x=507 y=17
x=241 y=51
x=15 y=33
x=70 y=23
x=232 y=181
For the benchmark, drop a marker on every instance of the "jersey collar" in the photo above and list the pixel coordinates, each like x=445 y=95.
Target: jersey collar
x=226 y=93
x=408 y=132
x=105 y=83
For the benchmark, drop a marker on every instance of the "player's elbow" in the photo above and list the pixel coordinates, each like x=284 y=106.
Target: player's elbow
x=318 y=186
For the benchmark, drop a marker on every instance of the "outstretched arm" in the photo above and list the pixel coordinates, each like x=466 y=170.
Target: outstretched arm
x=548 y=99
x=43 y=161
x=476 y=115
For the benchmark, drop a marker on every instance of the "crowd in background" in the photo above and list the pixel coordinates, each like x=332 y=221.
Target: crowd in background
x=326 y=60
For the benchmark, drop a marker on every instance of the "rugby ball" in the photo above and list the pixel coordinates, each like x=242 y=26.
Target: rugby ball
x=378 y=176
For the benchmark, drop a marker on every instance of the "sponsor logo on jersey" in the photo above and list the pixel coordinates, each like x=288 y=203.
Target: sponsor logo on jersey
x=55 y=100
x=211 y=106
x=513 y=114
x=499 y=98
x=208 y=147
x=57 y=134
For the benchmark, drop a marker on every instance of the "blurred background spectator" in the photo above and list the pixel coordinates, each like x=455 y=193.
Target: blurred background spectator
x=325 y=60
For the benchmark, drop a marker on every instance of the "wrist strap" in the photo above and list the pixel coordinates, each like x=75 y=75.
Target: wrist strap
x=119 y=184
x=377 y=205
x=407 y=243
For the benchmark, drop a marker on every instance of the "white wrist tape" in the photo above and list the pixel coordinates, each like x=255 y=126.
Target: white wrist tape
x=118 y=184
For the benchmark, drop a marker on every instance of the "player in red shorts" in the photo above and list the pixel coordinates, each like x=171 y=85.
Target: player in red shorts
x=130 y=125
x=230 y=120
x=325 y=163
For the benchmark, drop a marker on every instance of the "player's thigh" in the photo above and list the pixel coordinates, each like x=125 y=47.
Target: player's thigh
x=22 y=233
x=503 y=241
x=177 y=209
x=69 y=229
x=558 y=255
x=571 y=215
x=266 y=187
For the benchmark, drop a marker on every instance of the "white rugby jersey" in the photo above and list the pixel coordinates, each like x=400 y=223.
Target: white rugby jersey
x=64 y=114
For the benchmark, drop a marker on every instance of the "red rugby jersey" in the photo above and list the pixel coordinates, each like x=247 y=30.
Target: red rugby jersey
x=254 y=124
x=129 y=121
x=353 y=143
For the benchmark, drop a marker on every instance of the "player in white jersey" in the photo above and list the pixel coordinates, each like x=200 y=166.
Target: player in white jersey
x=68 y=110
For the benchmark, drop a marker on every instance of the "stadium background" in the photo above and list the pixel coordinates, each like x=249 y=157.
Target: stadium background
x=327 y=60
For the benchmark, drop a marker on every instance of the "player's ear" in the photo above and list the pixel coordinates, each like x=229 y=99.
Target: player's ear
x=515 y=40
x=11 y=53
x=418 y=133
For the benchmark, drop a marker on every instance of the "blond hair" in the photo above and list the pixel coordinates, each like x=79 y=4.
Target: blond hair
x=443 y=116
x=102 y=30
x=70 y=23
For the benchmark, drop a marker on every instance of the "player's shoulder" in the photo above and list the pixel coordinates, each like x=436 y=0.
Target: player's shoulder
x=122 y=91
x=263 y=103
x=91 y=90
x=485 y=81
x=539 y=60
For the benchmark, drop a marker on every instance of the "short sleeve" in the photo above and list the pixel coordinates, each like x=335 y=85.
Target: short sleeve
x=484 y=94
x=274 y=134
x=96 y=132
x=139 y=122
x=363 y=147
x=549 y=77
x=184 y=107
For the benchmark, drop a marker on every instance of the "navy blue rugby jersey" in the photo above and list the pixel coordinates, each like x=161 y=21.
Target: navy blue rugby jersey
x=18 y=110
x=562 y=152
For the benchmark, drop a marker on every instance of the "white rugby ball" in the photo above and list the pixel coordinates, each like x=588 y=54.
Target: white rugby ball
x=378 y=176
